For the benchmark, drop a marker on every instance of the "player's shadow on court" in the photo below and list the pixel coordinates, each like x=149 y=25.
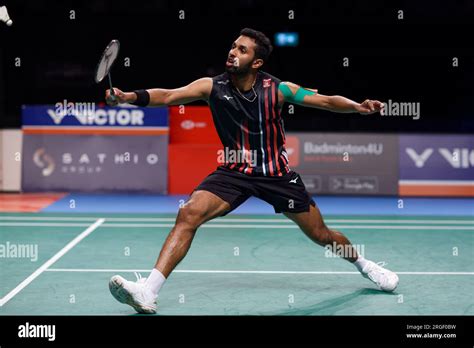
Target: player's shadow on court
x=327 y=307
x=334 y=305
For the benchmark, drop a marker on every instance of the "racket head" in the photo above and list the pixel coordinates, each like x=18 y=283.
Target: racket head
x=107 y=60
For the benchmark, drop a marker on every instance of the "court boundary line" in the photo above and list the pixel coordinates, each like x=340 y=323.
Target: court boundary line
x=249 y=226
x=51 y=261
x=98 y=270
x=43 y=224
x=145 y=219
x=294 y=226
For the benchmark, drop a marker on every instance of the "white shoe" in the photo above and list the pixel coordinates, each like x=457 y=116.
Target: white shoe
x=135 y=294
x=385 y=279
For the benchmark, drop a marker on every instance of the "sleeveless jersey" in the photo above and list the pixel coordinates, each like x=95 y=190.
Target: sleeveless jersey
x=251 y=131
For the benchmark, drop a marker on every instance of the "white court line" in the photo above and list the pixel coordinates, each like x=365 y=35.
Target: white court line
x=365 y=227
x=373 y=221
x=391 y=221
x=207 y=225
x=52 y=260
x=242 y=272
x=39 y=218
x=45 y=224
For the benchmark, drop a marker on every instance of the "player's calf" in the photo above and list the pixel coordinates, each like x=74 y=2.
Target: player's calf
x=385 y=279
x=331 y=239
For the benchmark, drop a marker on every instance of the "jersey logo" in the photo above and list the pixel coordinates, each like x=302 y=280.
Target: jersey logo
x=223 y=82
x=227 y=97
x=266 y=83
x=294 y=180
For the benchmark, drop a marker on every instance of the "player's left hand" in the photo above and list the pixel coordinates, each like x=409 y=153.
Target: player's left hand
x=369 y=107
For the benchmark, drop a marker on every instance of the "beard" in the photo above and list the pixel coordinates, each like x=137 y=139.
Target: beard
x=238 y=70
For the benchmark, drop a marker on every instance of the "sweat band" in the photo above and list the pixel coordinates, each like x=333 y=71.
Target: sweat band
x=294 y=98
x=143 y=97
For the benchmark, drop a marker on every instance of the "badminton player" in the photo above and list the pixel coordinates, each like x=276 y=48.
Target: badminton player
x=246 y=105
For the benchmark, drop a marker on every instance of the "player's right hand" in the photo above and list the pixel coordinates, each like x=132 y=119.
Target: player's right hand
x=119 y=97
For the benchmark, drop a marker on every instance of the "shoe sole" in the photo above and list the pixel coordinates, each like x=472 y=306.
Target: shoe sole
x=123 y=296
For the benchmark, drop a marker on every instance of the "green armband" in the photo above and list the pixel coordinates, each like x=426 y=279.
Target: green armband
x=294 y=98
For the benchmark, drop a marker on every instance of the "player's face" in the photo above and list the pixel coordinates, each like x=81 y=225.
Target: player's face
x=241 y=56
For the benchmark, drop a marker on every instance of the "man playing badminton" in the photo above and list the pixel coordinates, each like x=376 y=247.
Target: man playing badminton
x=246 y=106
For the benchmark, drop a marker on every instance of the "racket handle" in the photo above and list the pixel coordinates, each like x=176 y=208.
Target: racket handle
x=112 y=92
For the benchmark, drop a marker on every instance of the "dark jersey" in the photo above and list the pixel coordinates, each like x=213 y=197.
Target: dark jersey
x=250 y=126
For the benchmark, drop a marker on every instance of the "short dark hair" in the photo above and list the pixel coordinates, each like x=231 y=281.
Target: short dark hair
x=264 y=47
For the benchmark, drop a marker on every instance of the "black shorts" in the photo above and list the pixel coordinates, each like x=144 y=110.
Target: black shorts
x=285 y=193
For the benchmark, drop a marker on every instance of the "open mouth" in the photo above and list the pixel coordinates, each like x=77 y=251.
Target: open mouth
x=232 y=62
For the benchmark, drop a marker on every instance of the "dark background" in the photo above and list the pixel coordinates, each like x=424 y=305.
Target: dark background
x=407 y=60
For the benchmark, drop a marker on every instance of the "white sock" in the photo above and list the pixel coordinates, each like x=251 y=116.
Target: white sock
x=155 y=281
x=360 y=263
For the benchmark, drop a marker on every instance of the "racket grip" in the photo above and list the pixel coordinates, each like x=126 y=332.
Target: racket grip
x=112 y=95
x=112 y=91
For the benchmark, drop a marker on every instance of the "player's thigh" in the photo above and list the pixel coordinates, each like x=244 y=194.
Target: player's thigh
x=202 y=206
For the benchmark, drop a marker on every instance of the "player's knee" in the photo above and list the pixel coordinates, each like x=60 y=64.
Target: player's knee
x=190 y=216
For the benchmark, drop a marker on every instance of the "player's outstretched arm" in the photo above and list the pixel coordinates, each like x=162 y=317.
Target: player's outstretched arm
x=295 y=94
x=196 y=90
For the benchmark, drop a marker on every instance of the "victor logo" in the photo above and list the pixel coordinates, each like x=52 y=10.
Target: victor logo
x=457 y=158
x=419 y=159
x=87 y=114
